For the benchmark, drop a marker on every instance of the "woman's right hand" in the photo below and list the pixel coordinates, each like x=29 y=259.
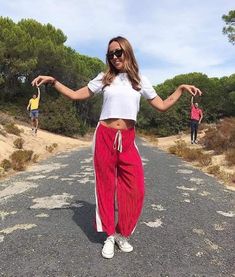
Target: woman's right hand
x=38 y=81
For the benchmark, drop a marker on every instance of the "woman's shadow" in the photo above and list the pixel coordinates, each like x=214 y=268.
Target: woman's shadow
x=84 y=217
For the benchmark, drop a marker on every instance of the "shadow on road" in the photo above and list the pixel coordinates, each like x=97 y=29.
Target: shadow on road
x=84 y=217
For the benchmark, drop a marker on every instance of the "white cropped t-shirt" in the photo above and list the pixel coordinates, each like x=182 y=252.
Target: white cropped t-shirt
x=120 y=100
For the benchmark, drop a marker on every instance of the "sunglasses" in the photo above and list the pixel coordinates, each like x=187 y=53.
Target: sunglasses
x=117 y=53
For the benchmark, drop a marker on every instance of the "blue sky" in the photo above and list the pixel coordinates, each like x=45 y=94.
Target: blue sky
x=169 y=37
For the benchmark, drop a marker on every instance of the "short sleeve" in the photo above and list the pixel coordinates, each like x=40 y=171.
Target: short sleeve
x=147 y=89
x=96 y=84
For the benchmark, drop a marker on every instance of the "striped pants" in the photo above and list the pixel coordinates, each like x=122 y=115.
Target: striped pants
x=119 y=176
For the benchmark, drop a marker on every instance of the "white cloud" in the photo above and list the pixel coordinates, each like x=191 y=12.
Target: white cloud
x=173 y=36
x=83 y=20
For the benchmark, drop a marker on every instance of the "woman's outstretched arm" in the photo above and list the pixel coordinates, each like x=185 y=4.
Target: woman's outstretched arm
x=163 y=105
x=80 y=94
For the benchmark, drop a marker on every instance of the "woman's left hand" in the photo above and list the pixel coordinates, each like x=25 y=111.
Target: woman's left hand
x=191 y=89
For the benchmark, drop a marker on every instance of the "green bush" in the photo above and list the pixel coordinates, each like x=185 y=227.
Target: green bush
x=60 y=117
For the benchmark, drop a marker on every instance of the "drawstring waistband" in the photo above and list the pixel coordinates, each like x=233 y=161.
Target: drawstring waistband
x=118 y=140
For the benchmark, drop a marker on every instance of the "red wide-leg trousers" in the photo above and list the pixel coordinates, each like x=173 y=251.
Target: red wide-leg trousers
x=119 y=175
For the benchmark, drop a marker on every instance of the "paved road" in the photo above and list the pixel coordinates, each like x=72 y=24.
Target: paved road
x=46 y=216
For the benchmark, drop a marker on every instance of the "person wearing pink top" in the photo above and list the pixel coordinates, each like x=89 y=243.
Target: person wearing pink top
x=196 y=118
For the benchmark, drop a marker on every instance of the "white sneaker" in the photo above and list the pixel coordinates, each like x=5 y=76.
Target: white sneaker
x=123 y=243
x=108 y=248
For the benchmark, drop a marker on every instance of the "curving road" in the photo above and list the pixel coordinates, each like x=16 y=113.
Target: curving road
x=46 y=222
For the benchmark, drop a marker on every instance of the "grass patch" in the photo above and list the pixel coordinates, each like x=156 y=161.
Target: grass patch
x=227 y=177
x=190 y=154
x=230 y=156
x=35 y=158
x=11 y=128
x=6 y=164
x=214 y=170
x=51 y=147
x=205 y=159
x=18 y=143
x=20 y=158
x=179 y=148
x=220 y=138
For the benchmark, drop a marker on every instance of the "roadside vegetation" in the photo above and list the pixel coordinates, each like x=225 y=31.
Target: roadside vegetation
x=218 y=140
x=20 y=158
x=52 y=147
x=29 y=48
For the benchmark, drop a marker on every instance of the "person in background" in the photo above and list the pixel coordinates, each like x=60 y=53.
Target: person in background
x=195 y=120
x=117 y=163
x=33 y=108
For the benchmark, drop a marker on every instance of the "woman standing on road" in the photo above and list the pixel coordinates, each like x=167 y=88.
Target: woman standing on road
x=117 y=163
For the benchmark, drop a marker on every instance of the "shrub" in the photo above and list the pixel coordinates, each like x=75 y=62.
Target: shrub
x=11 y=128
x=192 y=154
x=221 y=137
x=63 y=120
x=230 y=156
x=213 y=140
x=18 y=143
x=35 y=158
x=51 y=147
x=6 y=164
x=20 y=158
x=179 y=148
x=227 y=177
x=214 y=169
x=222 y=175
x=205 y=159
